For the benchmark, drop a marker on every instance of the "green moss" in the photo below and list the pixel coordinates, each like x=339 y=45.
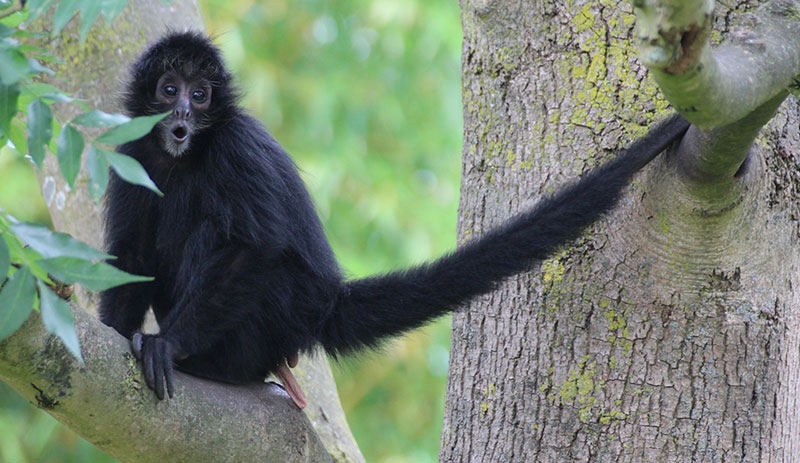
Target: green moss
x=611 y=416
x=581 y=389
x=616 y=321
x=131 y=379
x=553 y=269
x=485 y=408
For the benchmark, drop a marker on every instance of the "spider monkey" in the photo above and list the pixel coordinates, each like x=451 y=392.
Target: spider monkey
x=245 y=278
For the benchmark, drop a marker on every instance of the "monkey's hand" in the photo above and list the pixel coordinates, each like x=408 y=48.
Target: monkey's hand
x=157 y=355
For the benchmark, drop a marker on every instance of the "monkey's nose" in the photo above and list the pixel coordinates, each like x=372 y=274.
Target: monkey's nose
x=182 y=111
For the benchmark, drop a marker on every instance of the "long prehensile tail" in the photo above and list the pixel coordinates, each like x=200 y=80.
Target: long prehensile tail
x=371 y=309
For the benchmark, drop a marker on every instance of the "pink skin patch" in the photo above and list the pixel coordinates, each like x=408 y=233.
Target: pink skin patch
x=290 y=383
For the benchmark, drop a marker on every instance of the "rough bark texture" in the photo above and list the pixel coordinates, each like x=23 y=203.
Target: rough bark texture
x=105 y=400
x=669 y=332
x=94 y=71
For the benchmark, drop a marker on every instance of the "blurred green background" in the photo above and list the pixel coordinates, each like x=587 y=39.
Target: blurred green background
x=365 y=95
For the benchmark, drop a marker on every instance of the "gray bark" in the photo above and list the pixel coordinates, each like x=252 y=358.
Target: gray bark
x=669 y=331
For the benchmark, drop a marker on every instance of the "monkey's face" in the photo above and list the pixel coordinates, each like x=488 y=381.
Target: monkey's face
x=188 y=100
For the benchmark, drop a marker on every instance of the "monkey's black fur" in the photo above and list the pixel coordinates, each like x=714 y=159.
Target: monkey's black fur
x=244 y=276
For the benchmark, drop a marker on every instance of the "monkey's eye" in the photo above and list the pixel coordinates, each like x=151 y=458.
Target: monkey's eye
x=199 y=96
x=170 y=90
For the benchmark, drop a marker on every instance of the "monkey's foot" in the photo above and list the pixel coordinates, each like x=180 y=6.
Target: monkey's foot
x=290 y=383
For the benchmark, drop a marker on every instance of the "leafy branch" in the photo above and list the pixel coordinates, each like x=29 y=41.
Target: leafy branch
x=34 y=260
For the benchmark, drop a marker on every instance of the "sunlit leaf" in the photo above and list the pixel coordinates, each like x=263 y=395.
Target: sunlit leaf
x=18 y=136
x=58 y=319
x=97 y=276
x=99 y=119
x=16 y=301
x=97 y=168
x=134 y=129
x=40 y=130
x=70 y=147
x=130 y=170
x=55 y=244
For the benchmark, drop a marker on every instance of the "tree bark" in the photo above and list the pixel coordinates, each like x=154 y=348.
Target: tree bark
x=104 y=400
x=669 y=331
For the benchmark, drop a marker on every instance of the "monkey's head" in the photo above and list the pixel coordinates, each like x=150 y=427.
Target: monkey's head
x=183 y=74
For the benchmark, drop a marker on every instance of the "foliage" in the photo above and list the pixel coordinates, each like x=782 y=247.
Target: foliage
x=33 y=259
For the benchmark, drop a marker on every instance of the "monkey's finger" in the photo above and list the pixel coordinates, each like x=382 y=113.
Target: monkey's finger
x=169 y=377
x=136 y=345
x=158 y=372
x=292 y=360
x=147 y=361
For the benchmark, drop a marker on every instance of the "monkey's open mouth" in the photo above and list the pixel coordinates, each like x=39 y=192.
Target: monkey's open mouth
x=180 y=133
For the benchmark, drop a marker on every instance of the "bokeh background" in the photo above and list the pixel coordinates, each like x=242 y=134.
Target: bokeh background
x=365 y=95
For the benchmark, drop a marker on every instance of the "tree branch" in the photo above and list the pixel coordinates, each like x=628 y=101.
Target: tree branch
x=758 y=61
x=105 y=400
x=728 y=93
x=11 y=9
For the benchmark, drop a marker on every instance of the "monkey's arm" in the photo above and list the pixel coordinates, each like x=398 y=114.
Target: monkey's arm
x=131 y=239
x=219 y=296
x=198 y=317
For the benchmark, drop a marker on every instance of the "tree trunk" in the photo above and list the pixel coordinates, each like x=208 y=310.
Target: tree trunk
x=669 y=331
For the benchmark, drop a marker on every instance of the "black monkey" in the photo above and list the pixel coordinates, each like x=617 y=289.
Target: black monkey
x=244 y=276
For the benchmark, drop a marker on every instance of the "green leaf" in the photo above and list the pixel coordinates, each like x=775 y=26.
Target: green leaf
x=18 y=136
x=90 y=11
x=130 y=170
x=97 y=276
x=97 y=167
x=64 y=12
x=70 y=147
x=99 y=119
x=38 y=7
x=5 y=260
x=55 y=244
x=36 y=90
x=16 y=301
x=134 y=129
x=58 y=319
x=9 y=94
x=13 y=66
x=40 y=130
x=112 y=8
